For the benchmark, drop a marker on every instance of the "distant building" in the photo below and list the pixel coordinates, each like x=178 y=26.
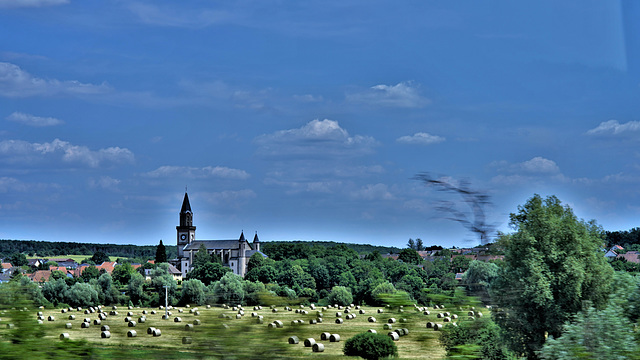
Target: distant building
x=234 y=254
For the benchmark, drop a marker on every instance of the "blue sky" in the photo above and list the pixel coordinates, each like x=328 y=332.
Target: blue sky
x=306 y=120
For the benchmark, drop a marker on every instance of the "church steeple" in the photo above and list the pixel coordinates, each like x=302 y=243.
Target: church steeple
x=186 y=216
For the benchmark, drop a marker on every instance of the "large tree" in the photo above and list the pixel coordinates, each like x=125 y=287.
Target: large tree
x=161 y=253
x=553 y=265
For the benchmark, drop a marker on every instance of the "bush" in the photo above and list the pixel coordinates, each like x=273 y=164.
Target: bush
x=340 y=295
x=370 y=346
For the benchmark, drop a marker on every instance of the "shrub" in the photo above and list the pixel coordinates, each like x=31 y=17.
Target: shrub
x=370 y=346
x=340 y=295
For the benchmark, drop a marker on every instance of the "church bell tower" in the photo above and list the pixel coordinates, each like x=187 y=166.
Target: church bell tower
x=186 y=231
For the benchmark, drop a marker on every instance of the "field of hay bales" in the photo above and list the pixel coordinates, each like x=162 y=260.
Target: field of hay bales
x=261 y=332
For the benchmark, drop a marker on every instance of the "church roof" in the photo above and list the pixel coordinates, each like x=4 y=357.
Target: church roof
x=255 y=238
x=213 y=244
x=186 y=206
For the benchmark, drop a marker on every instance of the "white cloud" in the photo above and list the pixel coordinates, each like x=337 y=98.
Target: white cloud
x=32 y=120
x=105 y=182
x=373 y=192
x=31 y=3
x=539 y=165
x=403 y=95
x=316 y=139
x=17 y=83
x=15 y=151
x=421 y=139
x=615 y=128
x=195 y=172
x=12 y=185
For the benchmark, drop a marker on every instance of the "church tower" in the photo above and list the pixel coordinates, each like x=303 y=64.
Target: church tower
x=186 y=230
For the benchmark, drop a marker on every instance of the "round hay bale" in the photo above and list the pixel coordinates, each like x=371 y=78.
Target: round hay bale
x=309 y=342
x=293 y=340
x=471 y=313
x=51 y=318
x=394 y=336
x=430 y=325
x=319 y=320
x=132 y=333
x=387 y=326
x=102 y=316
x=238 y=316
x=113 y=312
x=165 y=317
x=64 y=336
x=72 y=317
x=440 y=315
x=132 y=323
x=254 y=314
x=319 y=314
x=373 y=331
x=97 y=322
x=188 y=327
x=142 y=319
x=454 y=316
x=186 y=340
x=313 y=322
x=114 y=308
x=63 y=311
x=403 y=320
x=208 y=306
x=272 y=326
x=437 y=327
x=180 y=310
x=169 y=312
x=85 y=325
x=144 y=312
x=405 y=331
x=196 y=322
x=400 y=332
x=362 y=311
x=279 y=324
x=87 y=320
x=150 y=330
x=87 y=311
x=294 y=322
x=325 y=336
x=347 y=310
x=105 y=328
x=153 y=312
x=371 y=319
x=274 y=310
x=478 y=314
x=339 y=321
x=105 y=334
x=67 y=326
x=222 y=316
x=177 y=319
x=334 y=338
x=317 y=347
x=156 y=332
x=127 y=319
x=380 y=311
x=40 y=322
x=40 y=313
x=447 y=314
x=10 y=326
x=471 y=318
x=446 y=319
x=260 y=320
x=391 y=321
x=129 y=307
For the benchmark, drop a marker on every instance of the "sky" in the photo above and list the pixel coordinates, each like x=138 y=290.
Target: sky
x=308 y=120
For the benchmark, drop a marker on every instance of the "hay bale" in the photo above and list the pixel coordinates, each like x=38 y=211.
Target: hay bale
x=142 y=319
x=97 y=322
x=51 y=318
x=180 y=310
x=339 y=321
x=156 y=332
x=188 y=327
x=293 y=340
x=132 y=333
x=260 y=320
x=150 y=330
x=361 y=312
x=254 y=314
x=10 y=326
x=132 y=323
x=87 y=311
x=153 y=312
x=165 y=317
x=380 y=311
x=447 y=319
x=127 y=319
x=105 y=334
x=471 y=313
x=272 y=325
x=63 y=311
x=391 y=320
x=334 y=338
x=430 y=325
x=208 y=306
x=274 y=310
x=394 y=336
x=238 y=316
x=196 y=322
x=85 y=325
x=144 y=312
x=454 y=316
x=309 y=342
x=405 y=331
x=478 y=314
x=64 y=336
x=403 y=320
x=313 y=322
x=437 y=327
x=279 y=324
x=447 y=314
x=325 y=336
x=400 y=332
x=87 y=320
x=105 y=328
x=387 y=326
x=318 y=347
x=72 y=317
x=186 y=340
x=67 y=326
x=40 y=322
x=471 y=318
x=113 y=312
x=177 y=319
x=319 y=320
x=371 y=319
x=102 y=316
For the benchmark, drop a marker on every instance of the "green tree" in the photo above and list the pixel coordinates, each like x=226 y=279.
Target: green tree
x=99 y=257
x=54 y=290
x=384 y=288
x=478 y=278
x=340 y=295
x=192 y=292
x=208 y=273
x=81 y=294
x=18 y=259
x=553 y=264
x=370 y=346
x=90 y=272
x=122 y=273
x=229 y=289
x=410 y=256
x=135 y=288
x=108 y=294
x=411 y=244
x=160 y=278
x=460 y=264
x=255 y=261
x=161 y=253
x=201 y=257
x=419 y=245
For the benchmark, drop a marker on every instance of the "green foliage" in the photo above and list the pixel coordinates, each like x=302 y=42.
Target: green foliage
x=161 y=253
x=192 y=292
x=135 y=288
x=208 y=273
x=553 y=264
x=479 y=339
x=18 y=259
x=107 y=293
x=255 y=261
x=122 y=273
x=99 y=257
x=370 y=346
x=478 y=278
x=90 y=272
x=383 y=288
x=201 y=257
x=160 y=278
x=340 y=295
x=81 y=294
x=410 y=256
x=229 y=289
x=54 y=291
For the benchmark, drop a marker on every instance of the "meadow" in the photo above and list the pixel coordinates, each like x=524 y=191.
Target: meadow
x=232 y=332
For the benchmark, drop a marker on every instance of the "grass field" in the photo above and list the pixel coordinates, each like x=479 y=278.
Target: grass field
x=218 y=337
x=76 y=258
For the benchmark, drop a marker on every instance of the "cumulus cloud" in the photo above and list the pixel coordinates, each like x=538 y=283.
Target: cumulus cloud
x=17 y=83
x=403 y=94
x=16 y=151
x=31 y=3
x=613 y=127
x=316 y=139
x=539 y=165
x=420 y=139
x=195 y=172
x=534 y=170
x=32 y=120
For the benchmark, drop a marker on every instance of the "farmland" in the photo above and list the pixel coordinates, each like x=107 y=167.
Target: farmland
x=222 y=331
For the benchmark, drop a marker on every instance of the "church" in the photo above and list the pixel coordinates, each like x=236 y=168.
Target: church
x=234 y=254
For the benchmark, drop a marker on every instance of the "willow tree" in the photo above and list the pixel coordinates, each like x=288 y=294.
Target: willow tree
x=554 y=267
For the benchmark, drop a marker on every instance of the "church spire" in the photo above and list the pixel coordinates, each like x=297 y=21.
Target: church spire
x=186 y=215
